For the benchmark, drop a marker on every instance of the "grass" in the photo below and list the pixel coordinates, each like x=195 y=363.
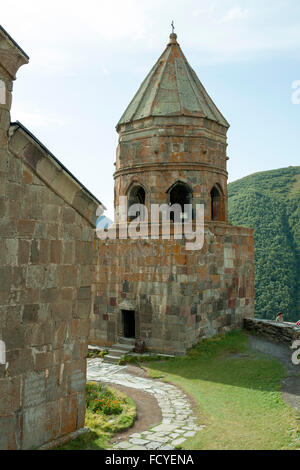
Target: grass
x=237 y=395
x=103 y=426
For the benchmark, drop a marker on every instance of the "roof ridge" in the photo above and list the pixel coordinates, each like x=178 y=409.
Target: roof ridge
x=132 y=101
x=147 y=78
x=205 y=94
x=192 y=82
x=161 y=75
x=212 y=106
x=177 y=84
x=182 y=93
x=55 y=159
x=13 y=42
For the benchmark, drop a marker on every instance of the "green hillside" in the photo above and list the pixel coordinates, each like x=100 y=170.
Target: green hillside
x=270 y=203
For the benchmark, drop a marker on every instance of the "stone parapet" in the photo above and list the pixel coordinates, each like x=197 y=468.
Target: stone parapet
x=23 y=145
x=274 y=331
x=178 y=296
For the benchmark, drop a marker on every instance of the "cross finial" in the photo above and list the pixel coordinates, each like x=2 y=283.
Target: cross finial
x=173 y=27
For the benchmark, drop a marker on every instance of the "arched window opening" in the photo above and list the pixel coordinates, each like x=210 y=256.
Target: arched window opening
x=217 y=204
x=181 y=194
x=136 y=195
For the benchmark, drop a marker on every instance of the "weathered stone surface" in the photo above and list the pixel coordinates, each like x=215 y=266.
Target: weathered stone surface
x=165 y=301
x=279 y=332
x=52 y=269
x=178 y=295
x=170 y=399
x=10 y=432
x=47 y=225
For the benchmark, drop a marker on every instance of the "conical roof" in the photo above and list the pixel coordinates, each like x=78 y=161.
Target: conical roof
x=172 y=88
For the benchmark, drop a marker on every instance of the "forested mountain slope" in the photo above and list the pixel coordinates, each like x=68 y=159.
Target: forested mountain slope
x=270 y=203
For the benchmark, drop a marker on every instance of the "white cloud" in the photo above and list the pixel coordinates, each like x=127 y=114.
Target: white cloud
x=234 y=14
x=35 y=119
x=88 y=58
x=66 y=33
x=208 y=8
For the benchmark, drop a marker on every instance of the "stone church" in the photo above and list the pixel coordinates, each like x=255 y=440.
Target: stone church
x=172 y=150
x=47 y=227
x=62 y=288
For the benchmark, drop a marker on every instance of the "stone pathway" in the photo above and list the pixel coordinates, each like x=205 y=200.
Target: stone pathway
x=178 y=422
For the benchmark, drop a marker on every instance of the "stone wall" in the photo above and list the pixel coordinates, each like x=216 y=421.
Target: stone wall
x=157 y=152
x=46 y=253
x=47 y=223
x=279 y=332
x=173 y=149
x=178 y=296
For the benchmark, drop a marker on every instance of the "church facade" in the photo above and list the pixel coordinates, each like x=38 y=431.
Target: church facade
x=47 y=227
x=61 y=288
x=172 y=150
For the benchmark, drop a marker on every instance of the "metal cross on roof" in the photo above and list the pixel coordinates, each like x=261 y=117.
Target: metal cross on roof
x=173 y=27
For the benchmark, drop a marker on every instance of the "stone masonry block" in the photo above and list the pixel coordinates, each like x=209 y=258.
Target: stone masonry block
x=34 y=426
x=34 y=389
x=9 y=432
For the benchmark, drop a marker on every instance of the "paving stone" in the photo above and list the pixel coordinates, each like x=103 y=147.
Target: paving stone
x=153 y=445
x=190 y=434
x=138 y=442
x=165 y=427
x=161 y=439
x=178 y=422
x=177 y=442
x=123 y=445
x=147 y=434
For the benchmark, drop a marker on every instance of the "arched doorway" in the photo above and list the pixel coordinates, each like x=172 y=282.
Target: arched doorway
x=217 y=204
x=180 y=193
x=136 y=195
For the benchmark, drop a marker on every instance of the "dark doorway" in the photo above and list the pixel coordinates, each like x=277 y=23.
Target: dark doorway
x=137 y=195
x=180 y=193
x=128 y=317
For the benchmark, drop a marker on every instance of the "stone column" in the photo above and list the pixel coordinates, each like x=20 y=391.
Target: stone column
x=11 y=59
x=5 y=105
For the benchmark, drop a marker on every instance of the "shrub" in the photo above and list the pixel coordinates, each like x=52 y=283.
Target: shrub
x=101 y=400
x=94 y=353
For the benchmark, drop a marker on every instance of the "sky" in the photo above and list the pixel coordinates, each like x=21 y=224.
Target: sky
x=88 y=59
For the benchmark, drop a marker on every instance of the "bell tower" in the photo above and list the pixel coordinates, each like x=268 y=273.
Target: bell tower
x=172 y=150
x=172 y=141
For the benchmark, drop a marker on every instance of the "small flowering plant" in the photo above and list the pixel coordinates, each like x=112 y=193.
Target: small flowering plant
x=101 y=400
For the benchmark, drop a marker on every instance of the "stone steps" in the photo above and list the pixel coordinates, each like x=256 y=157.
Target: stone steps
x=118 y=350
x=128 y=341
x=123 y=347
x=110 y=359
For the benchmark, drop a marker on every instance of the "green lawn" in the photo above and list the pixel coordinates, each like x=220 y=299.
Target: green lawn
x=237 y=396
x=103 y=426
